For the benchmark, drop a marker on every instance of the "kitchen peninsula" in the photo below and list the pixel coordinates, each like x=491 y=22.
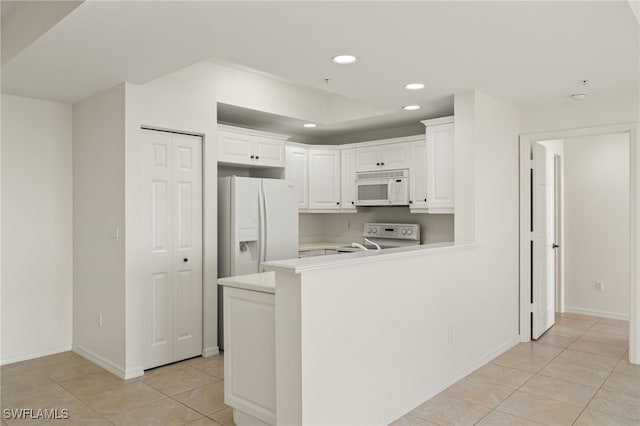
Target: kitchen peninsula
x=339 y=324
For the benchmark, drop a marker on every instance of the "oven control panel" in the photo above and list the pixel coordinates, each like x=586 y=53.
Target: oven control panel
x=396 y=231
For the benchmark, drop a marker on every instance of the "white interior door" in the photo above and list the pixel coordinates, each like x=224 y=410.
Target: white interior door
x=543 y=268
x=172 y=310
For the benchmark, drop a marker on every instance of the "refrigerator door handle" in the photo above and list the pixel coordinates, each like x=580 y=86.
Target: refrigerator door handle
x=263 y=228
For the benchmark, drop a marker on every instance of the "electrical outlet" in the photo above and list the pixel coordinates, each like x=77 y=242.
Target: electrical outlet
x=599 y=286
x=115 y=235
x=100 y=319
x=450 y=334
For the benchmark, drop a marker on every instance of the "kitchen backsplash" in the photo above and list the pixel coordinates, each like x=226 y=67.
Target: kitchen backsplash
x=348 y=227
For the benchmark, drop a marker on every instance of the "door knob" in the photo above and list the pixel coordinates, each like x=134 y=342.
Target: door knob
x=554 y=245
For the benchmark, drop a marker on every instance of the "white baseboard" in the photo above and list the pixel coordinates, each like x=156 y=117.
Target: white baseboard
x=594 y=313
x=210 y=351
x=439 y=387
x=25 y=357
x=110 y=366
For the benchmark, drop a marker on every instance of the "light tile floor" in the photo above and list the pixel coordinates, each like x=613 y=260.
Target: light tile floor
x=189 y=392
x=576 y=374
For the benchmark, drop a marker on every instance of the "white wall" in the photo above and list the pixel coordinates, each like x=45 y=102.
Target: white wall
x=36 y=222
x=98 y=207
x=348 y=227
x=390 y=318
x=597 y=224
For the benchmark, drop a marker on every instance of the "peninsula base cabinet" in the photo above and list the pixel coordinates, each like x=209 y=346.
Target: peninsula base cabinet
x=250 y=356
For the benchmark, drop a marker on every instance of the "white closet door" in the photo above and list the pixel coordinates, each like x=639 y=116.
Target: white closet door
x=172 y=310
x=187 y=248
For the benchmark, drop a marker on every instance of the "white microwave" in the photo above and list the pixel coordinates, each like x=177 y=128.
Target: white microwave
x=384 y=188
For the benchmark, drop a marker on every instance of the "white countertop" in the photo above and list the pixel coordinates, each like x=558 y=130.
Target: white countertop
x=264 y=282
x=343 y=259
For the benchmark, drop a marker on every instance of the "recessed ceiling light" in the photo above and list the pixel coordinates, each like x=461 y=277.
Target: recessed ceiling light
x=344 y=59
x=411 y=107
x=309 y=125
x=414 y=86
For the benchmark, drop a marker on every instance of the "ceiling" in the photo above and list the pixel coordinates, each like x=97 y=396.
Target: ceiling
x=528 y=54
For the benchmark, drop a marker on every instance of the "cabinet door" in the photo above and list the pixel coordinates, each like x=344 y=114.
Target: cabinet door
x=394 y=156
x=235 y=148
x=348 y=179
x=324 y=179
x=250 y=353
x=268 y=152
x=440 y=168
x=368 y=159
x=297 y=172
x=418 y=176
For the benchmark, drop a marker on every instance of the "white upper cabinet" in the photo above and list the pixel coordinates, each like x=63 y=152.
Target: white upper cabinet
x=297 y=171
x=382 y=157
x=324 y=179
x=249 y=147
x=418 y=177
x=348 y=179
x=440 y=165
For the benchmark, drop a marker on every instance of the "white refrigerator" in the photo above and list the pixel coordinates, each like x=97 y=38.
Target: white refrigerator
x=257 y=222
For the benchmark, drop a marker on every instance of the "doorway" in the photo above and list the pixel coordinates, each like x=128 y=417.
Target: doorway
x=527 y=273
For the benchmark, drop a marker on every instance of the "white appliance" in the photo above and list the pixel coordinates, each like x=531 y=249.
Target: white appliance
x=387 y=235
x=257 y=223
x=384 y=188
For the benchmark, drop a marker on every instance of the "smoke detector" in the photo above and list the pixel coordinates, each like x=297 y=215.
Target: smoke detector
x=582 y=95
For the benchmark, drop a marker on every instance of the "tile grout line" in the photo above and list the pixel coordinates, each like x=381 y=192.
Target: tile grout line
x=599 y=387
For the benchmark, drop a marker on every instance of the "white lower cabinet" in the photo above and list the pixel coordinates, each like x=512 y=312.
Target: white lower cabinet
x=250 y=356
x=324 y=179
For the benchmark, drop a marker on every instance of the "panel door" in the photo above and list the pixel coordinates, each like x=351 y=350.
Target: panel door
x=324 y=179
x=268 y=152
x=235 y=148
x=158 y=284
x=187 y=248
x=348 y=179
x=440 y=151
x=297 y=172
x=543 y=239
x=418 y=176
x=172 y=287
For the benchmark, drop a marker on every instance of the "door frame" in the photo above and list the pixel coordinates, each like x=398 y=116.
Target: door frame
x=526 y=140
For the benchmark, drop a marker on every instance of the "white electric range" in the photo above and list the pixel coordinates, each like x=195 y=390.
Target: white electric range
x=386 y=235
